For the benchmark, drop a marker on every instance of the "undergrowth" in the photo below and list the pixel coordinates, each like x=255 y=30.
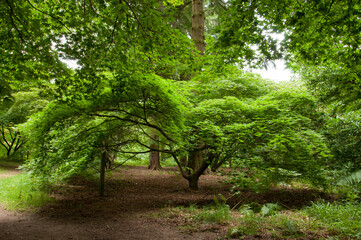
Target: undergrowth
x=21 y=192
x=318 y=221
x=339 y=219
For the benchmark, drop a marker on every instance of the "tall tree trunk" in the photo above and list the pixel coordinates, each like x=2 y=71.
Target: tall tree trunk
x=154 y=160
x=198 y=25
x=102 y=173
x=196 y=163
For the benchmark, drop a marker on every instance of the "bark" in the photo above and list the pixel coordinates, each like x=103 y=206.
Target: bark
x=195 y=160
x=162 y=154
x=198 y=25
x=154 y=160
x=102 y=173
x=183 y=161
x=194 y=177
x=193 y=182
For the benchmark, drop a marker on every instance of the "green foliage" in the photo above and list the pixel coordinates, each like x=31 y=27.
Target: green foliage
x=21 y=107
x=354 y=178
x=350 y=186
x=128 y=50
x=243 y=36
x=270 y=209
x=22 y=192
x=344 y=138
x=321 y=41
x=14 y=112
x=339 y=219
x=268 y=130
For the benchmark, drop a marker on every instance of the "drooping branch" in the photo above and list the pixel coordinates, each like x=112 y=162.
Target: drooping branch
x=137 y=19
x=145 y=123
x=12 y=20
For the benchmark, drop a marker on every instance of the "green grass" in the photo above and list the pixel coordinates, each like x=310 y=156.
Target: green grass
x=339 y=219
x=214 y=214
x=21 y=192
x=318 y=221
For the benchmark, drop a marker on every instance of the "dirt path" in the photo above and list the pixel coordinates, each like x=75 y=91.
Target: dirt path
x=132 y=196
x=10 y=171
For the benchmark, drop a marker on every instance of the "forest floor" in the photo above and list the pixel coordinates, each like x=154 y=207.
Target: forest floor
x=137 y=205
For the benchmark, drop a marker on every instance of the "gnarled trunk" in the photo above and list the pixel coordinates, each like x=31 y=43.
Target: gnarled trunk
x=193 y=182
x=194 y=176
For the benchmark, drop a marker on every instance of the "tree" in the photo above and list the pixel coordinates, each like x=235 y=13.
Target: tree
x=195 y=155
x=16 y=111
x=273 y=134
x=104 y=128
x=122 y=94
x=10 y=139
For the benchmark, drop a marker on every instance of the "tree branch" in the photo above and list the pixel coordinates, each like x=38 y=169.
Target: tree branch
x=137 y=19
x=50 y=15
x=12 y=20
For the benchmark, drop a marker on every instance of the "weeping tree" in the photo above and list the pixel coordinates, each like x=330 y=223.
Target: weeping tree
x=68 y=137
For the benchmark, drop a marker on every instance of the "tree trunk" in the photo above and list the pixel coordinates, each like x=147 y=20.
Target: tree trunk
x=195 y=160
x=193 y=182
x=194 y=176
x=162 y=154
x=198 y=25
x=184 y=161
x=154 y=160
x=102 y=173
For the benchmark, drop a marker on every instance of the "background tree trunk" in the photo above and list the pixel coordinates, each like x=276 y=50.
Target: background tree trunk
x=154 y=160
x=102 y=173
x=198 y=25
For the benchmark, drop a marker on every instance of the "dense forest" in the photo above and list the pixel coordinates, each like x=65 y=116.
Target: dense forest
x=168 y=84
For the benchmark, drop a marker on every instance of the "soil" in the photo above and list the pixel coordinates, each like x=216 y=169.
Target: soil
x=134 y=196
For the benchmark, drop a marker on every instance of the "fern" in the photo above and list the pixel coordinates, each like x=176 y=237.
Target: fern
x=352 y=179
